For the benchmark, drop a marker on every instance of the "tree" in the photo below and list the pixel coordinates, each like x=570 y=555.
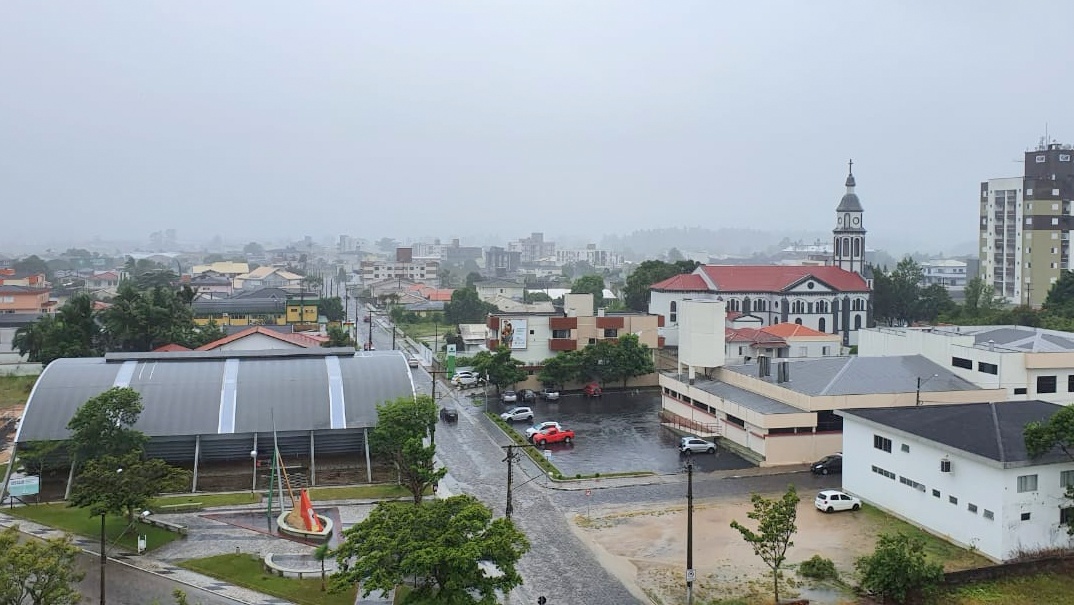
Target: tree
x=590 y=284
x=71 y=332
x=321 y=553
x=402 y=425
x=39 y=572
x=33 y=265
x=338 y=337
x=979 y=295
x=1056 y=433
x=440 y=545
x=898 y=569
x=579 y=269
x=775 y=526
x=331 y=308
x=253 y=249
x=472 y=278
x=534 y=296
x=933 y=301
x=466 y=308
x=144 y=319
x=630 y=358
x=561 y=369
x=1060 y=298
x=502 y=369
x=124 y=484
x=638 y=283
x=103 y=425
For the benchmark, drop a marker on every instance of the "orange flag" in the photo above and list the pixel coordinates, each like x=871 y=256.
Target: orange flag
x=308 y=516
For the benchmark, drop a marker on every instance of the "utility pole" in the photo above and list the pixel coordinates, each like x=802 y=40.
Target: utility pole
x=104 y=558
x=690 y=532
x=370 y=346
x=510 y=459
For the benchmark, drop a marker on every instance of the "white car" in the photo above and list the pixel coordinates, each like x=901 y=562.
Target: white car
x=537 y=428
x=509 y=397
x=465 y=379
x=831 y=500
x=518 y=414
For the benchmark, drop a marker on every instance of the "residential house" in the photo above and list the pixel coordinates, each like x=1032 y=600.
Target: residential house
x=474 y=336
x=536 y=336
x=210 y=284
x=962 y=472
x=512 y=305
x=1028 y=363
x=405 y=266
x=103 y=280
x=431 y=293
x=489 y=289
x=951 y=273
x=25 y=299
x=267 y=306
x=228 y=269
x=268 y=277
x=11 y=277
x=424 y=308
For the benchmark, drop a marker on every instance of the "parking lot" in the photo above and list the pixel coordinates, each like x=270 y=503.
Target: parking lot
x=617 y=433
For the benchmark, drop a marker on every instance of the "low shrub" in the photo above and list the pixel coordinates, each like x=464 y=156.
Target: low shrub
x=818 y=568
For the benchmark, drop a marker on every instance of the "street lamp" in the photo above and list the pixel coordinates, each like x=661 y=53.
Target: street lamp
x=104 y=553
x=919 y=383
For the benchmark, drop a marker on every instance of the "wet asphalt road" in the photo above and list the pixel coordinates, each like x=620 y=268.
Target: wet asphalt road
x=617 y=433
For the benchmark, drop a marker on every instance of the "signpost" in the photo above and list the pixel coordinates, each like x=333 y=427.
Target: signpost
x=24 y=486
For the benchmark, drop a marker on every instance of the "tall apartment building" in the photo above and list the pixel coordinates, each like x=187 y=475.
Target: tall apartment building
x=533 y=248
x=1026 y=224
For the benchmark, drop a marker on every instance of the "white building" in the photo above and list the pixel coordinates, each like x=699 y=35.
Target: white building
x=779 y=341
x=962 y=473
x=947 y=272
x=601 y=259
x=1030 y=363
x=492 y=288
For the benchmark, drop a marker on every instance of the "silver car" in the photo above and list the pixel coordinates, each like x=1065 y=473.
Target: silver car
x=518 y=414
x=695 y=445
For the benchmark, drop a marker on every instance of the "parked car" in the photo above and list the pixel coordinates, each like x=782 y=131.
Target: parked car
x=413 y=361
x=549 y=394
x=527 y=396
x=828 y=465
x=365 y=319
x=553 y=435
x=449 y=414
x=509 y=397
x=691 y=445
x=518 y=414
x=593 y=390
x=467 y=379
x=537 y=428
x=831 y=500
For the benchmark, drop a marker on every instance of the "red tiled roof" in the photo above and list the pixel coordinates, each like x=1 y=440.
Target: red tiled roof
x=775 y=278
x=753 y=335
x=733 y=315
x=688 y=282
x=789 y=330
x=171 y=348
x=303 y=340
x=99 y=305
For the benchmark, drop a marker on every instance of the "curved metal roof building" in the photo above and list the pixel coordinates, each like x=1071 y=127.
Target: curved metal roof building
x=216 y=405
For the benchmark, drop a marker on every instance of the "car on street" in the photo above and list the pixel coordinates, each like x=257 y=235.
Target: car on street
x=537 y=428
x=449 y=414
x=828 y=465
x=831 y=500
x=466 y=379
x=695 y=445
x=365 y=319
x=413 y=361
x=549 y=394
x=518 y=415
x=509 y=397
x=553 y=435
x=593 y=390
x=527 y=396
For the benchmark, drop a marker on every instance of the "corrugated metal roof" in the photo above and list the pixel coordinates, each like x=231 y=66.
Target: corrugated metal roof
x=184 y=393
x=753 y=401
x=856 y=375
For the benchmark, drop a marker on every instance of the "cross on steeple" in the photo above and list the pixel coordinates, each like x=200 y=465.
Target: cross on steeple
x=850 y=163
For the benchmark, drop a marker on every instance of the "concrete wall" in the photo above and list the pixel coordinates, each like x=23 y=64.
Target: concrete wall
x=702 y=332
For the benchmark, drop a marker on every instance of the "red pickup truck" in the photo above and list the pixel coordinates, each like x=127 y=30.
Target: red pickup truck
x=553 y=435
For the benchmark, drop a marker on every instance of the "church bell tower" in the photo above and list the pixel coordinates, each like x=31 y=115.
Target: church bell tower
x=848 y=250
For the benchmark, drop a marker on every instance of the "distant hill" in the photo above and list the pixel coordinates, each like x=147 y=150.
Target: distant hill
x=650 y=243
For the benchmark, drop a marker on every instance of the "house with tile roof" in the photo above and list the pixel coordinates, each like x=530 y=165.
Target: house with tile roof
x=834 y=299
x=259 y=338
x=266 y=277
x=962 y=472
x=1030 y=363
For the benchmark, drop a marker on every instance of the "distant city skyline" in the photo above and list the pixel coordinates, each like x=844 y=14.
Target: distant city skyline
x=256 y=121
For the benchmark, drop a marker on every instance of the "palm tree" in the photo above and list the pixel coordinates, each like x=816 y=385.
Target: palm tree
x=321 y=553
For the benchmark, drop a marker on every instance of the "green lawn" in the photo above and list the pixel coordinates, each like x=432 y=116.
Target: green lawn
x=78 y=521
x=15 y=390
x=953 y=557
x=1051 y=588
x=248 y=571
x=207 y=500
x=363 y=492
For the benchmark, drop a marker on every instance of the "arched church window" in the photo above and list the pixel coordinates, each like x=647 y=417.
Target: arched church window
x=857 y=322
x=857 y=246
x=846 y=246
x=821 y=324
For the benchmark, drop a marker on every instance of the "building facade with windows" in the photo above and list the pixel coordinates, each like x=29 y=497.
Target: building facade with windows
x=962 y=472
x=1028 y=363
x=951 y=273
x=1026 y=223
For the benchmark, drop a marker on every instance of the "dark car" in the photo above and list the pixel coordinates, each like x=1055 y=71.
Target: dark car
x=449 y=414
x=527 y=395
x=828 y=465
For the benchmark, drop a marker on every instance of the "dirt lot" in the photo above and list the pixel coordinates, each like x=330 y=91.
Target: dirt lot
x=647 y=547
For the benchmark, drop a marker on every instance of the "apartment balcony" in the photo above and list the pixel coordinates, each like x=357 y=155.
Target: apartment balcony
x=562 y=344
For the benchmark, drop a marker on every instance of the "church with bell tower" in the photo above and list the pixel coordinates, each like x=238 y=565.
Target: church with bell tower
x=848 y=246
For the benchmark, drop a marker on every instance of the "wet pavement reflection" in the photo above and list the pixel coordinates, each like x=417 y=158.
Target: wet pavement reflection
x=617 y=433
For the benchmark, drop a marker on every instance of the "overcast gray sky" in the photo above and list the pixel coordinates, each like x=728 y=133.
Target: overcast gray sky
x=267 y=119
